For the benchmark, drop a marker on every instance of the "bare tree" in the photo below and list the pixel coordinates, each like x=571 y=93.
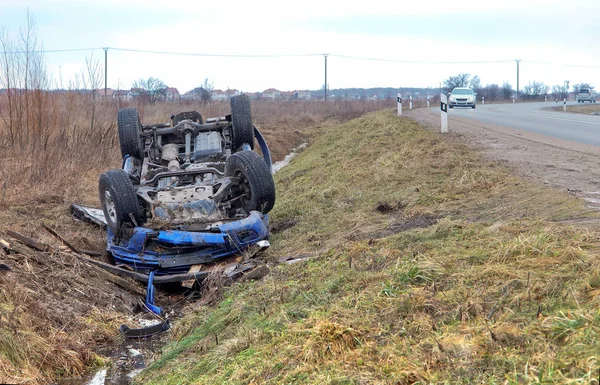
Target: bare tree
x=92 y=78
x=582 y=86
x=507 y=91
x=208 y=87
x=151 y=89
x=460 y=80
x=23 y=74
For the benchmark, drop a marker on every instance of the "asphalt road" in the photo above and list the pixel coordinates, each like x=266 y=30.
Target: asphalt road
x=531 y=117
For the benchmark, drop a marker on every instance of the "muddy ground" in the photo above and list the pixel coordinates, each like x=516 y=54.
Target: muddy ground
x=568 y=166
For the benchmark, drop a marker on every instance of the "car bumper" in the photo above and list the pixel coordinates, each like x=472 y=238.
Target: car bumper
x=462 y=104
x=173 y=251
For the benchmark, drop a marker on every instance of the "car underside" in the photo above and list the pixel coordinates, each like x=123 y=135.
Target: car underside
x=189 y=192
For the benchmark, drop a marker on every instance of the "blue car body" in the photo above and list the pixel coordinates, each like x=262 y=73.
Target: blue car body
x=173 y=251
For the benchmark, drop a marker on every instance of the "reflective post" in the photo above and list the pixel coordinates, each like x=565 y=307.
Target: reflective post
x=444 y=112
x=399 y=100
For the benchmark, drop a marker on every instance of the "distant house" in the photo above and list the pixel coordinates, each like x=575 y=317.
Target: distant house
x=197 y=94
x=254 y=95
x=271 y=93
x=232 y=92
x=288 y=95
x=100 y=92
x=303 y=95
x=172 y=94
x=219 y=95
x=121 y=95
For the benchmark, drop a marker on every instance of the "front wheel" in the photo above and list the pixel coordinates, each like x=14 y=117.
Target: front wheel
x=255 y=180
x=118 y=200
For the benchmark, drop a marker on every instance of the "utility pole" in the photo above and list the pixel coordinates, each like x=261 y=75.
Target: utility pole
x=518 y=61
x=325 y=55
x=105 y=70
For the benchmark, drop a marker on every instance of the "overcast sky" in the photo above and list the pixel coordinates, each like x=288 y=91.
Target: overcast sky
x=556 y=32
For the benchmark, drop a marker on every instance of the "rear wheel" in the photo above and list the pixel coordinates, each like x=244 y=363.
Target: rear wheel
x=130 y=129
x=255 y=181
x=118 y=200
x=241 y=122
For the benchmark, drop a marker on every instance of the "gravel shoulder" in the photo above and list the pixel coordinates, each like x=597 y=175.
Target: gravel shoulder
x=561 y=164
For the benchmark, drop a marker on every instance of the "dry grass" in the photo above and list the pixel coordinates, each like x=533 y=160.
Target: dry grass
x=431 y=266
x=584 y=108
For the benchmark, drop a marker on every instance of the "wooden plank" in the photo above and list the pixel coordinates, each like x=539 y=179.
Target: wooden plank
x=4 y=245
x=60 y=238
x=39 y=246
x=190 y=282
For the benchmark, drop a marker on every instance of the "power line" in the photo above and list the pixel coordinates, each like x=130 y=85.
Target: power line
x=215 y=55
x=50 y=51
x=420 y=61
x=294 y=55
x=561 y=64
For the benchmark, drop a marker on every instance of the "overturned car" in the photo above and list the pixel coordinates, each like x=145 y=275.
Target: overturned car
x=189 y=192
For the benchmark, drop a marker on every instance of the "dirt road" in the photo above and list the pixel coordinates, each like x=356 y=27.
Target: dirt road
x=562 y=164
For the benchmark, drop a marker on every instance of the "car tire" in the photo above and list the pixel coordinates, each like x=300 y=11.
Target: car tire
x=130 y=128
x=242 y=130
x=255 y=179
x=473 y=106
x=118 y=200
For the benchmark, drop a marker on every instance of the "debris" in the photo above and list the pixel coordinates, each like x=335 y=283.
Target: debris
x=88 y=214
x=150 y=296
x=190 y=282
x=60 y=238
x=5 y=246
x=257 y=273
x=145 y=332
x=293 y=258
x=39 y=246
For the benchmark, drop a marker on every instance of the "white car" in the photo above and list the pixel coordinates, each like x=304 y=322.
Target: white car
x=462 y=97
x=586 y=95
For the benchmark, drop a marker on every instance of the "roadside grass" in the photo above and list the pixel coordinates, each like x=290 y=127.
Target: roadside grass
x=584 y=108
x=428 y=264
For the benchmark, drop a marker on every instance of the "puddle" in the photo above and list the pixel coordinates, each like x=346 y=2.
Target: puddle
x=282 y=163
x=127 y=358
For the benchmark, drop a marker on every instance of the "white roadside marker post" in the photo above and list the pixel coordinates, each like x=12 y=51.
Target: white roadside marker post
x=546 y=97
x=565 y=105
x=427 y=100
x=483 y=100
x=410 y=102
x=399 y=100
x=444 y=112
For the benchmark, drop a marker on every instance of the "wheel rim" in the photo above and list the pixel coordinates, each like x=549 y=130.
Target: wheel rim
x=245 y=186
x=109 y=204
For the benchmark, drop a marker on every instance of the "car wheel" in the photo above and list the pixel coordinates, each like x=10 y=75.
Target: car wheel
x=241 y=122
x=473 y=106
x=130 y=129
x=255 y=180
x=118 y=200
